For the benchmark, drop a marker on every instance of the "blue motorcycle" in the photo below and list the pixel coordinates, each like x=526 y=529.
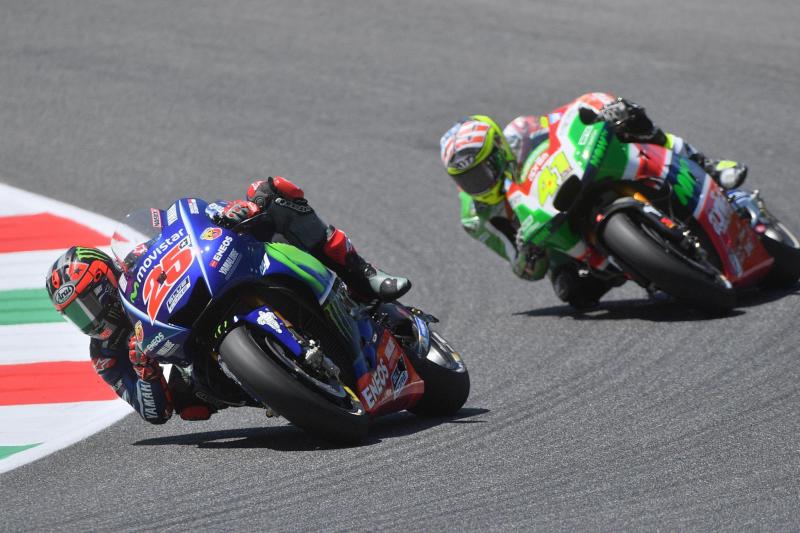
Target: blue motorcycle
x=267 y=325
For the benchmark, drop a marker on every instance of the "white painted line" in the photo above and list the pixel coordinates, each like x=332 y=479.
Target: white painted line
x=38 y=343
x=56 y=426
x=19 y=202
x=28 y=270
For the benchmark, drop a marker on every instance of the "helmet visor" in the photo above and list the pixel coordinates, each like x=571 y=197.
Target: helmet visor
x=90 y=310
x=483 y=176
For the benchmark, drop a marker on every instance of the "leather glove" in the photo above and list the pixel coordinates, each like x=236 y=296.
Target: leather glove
x=235 y=212
x=630 y=122
x=145 y=367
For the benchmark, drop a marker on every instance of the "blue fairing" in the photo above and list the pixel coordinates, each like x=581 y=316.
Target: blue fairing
x=194 y=256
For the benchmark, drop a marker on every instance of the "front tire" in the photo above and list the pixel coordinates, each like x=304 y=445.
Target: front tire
x=784 y=247
x=260 y=373
x=665 y=265
x=446 y=380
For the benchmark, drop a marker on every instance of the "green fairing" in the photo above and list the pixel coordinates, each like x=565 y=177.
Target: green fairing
x=475 y=221
x=685 y=183
x=585 y=145
x=306 y=266
x=532 y=157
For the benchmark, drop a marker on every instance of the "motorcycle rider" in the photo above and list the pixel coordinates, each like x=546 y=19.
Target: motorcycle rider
x=484 y=160
x=82 y=284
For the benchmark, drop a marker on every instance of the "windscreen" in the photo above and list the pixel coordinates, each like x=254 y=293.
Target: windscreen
x=133 y=236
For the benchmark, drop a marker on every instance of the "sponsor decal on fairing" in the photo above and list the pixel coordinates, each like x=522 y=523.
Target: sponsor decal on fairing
x=230 y=264
x=178 y=293
x=163 y=276
x=268 y=318
x=211 y=233
x=264 y=264
x=374 y=389
x=138 y=330
x=223 y=247
x=399 y=375
x=172 y=214
x=167 y=349
x=153 y=344
x=157 y=251
x=155 y=218
x=193 y=206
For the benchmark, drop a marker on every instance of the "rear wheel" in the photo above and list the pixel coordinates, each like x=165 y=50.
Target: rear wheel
x=446 y=380
x=666 y=265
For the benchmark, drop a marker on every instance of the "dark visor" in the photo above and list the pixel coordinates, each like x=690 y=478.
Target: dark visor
x=482 y=177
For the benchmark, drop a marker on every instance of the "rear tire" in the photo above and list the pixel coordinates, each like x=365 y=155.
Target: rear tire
x=665 y=265
x=264 y=377
x=446 y=380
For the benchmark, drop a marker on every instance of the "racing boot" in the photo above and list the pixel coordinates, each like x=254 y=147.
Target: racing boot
x=728 y=174
x=581 y=292
x=365 y=282
x=186 y=402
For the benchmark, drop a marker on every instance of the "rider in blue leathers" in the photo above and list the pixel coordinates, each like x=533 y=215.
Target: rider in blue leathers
x=82 y=285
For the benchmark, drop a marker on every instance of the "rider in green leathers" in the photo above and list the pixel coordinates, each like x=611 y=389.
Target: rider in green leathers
x=484 y=160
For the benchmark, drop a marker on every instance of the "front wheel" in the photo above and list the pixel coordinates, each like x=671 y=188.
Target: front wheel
x=663 y=263
x=327 y=410
x=446 y=380
x=784 y=247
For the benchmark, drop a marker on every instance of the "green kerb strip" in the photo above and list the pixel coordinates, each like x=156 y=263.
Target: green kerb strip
x=6 y=451
x=27 y=306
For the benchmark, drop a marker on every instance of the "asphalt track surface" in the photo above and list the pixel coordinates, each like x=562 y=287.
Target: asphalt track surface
x=637 y=415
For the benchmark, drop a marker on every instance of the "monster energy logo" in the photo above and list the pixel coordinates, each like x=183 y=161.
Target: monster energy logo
x=337 y=312
x=88 y=254
x=134 y=292
x=600 y=148
x=684 y=186
x=221 y=329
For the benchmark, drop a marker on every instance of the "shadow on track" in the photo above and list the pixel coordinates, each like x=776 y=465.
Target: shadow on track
x=658 y=311
x=289 y=438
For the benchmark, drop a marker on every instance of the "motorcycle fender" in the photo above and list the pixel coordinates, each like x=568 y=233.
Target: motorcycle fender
x=393 y=385
x=745 y=259
x=659 y=221
x=273 y=325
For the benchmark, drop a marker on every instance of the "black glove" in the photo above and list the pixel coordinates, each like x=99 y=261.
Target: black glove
x=236 y=212
x=630 y=122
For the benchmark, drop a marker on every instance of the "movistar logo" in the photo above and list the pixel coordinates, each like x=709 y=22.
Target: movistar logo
x=134 y=292
x=88 y=254
x=684 y=186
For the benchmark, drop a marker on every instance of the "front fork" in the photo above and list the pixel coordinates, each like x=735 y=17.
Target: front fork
x=660 y=223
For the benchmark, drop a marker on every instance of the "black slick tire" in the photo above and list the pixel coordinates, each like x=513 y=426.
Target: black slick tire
x=664 y=265
x=269 y=381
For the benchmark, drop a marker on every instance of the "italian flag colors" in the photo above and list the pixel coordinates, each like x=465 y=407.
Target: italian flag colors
x=50 y=396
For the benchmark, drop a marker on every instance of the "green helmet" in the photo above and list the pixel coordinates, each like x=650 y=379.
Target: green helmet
x=478 y=158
